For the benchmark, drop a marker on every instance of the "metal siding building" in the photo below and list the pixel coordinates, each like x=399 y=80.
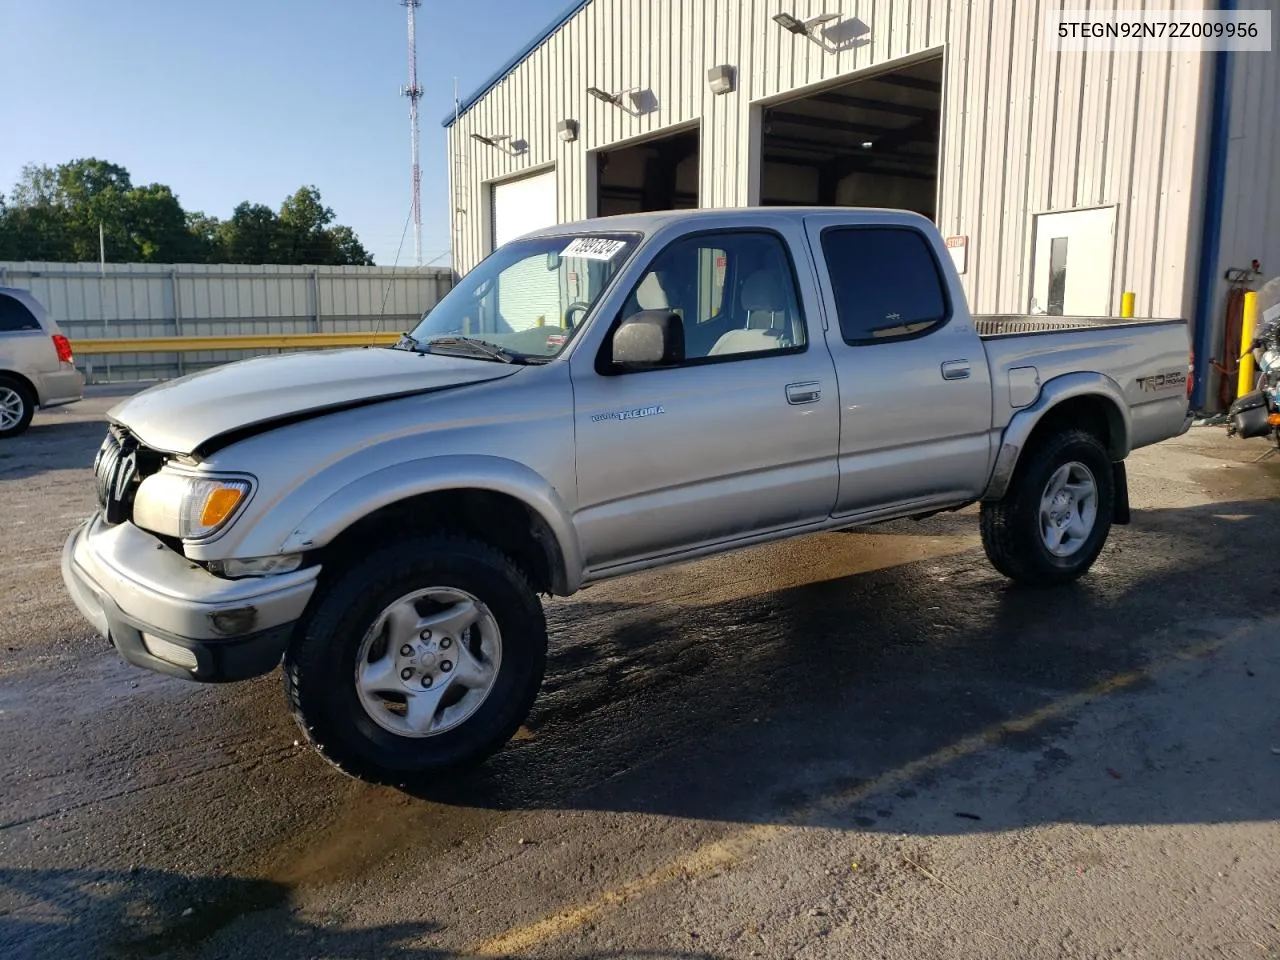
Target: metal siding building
x=1025 y=132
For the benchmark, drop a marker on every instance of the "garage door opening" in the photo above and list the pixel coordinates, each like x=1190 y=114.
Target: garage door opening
x=659 y=174
x=872 y=142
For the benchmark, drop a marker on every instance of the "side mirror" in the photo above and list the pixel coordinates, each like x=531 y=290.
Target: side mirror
x=650 y=338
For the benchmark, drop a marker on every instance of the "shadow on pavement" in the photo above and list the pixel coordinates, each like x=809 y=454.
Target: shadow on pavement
x=153 y=913
x=50 y=446
x=744 y=711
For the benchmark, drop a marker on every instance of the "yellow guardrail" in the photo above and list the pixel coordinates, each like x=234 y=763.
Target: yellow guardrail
x=248 y=341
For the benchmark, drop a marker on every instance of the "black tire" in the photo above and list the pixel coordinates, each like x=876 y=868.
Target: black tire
x=320 y=663
x=1010 y=527
x=10 y=386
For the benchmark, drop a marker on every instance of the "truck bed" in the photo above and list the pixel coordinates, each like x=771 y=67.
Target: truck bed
x=1146 y=360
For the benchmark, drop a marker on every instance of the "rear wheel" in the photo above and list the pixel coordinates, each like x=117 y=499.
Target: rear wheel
x=17 y=406
x=1054 y=519
x=424 y=657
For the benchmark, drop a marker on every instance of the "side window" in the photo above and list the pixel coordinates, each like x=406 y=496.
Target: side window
x=734 y=292
x=14 y=316
x=886 y=283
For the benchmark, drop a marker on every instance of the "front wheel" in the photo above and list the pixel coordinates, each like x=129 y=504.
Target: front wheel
x=1053 y=521
x=424 y=657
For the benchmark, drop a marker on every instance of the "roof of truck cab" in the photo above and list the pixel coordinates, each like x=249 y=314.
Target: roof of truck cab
x=655 y=220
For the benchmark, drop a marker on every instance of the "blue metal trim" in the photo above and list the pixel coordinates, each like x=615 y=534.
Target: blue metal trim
x=471 y=100
x=1211 y=229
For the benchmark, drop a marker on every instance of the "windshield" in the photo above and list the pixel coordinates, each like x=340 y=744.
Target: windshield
x=530 y=296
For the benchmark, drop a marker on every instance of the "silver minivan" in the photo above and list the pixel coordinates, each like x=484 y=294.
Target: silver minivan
x=37 y=368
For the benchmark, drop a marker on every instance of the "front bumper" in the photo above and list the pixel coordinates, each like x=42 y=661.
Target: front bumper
x=165 y=613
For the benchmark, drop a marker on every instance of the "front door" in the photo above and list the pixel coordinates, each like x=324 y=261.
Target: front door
x=915 y=389
x=737 y=439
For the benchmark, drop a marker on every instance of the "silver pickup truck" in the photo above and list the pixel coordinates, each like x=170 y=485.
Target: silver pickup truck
x=593 y=399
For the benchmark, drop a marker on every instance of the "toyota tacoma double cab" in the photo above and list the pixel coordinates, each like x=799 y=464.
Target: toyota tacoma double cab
x=591 y=400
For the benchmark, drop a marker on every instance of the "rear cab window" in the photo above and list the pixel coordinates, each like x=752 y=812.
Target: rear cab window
x=15 y=317
x=886 y=283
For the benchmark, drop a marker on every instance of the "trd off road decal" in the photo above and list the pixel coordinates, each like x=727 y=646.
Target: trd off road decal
x=1163 y=381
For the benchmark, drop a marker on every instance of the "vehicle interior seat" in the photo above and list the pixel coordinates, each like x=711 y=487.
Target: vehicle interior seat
x=768 y=316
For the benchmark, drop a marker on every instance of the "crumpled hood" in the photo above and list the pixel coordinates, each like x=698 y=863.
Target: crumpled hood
x=182 y=415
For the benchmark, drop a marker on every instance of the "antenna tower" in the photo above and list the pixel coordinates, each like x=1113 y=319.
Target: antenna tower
x=414 y=93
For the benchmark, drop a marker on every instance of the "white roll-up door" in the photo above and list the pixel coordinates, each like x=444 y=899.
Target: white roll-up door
x=528 y=294
x=519 y=206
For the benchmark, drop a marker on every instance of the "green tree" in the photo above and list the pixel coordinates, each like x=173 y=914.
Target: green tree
x=301 y=235
x=248 y=236
x=348 y=248
x=56 y=213
x=34 y=233
x=157 y=226
x=37 y=185
x=206 y=237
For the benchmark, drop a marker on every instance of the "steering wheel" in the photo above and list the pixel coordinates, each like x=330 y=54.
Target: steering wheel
x=577 y=305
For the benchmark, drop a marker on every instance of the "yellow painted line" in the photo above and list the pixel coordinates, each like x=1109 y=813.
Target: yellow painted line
x=254 y=341
x=733 y=849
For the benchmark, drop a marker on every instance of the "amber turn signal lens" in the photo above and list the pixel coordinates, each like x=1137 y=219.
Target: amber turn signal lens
x=1274 y=419
x=219 y=505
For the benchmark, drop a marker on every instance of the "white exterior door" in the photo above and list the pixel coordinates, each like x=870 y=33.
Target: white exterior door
x=529 y=293
x=1071 y=269
x=519 y=206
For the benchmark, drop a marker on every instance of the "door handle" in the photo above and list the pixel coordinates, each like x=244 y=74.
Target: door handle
x=798 y=393
x=955 y=370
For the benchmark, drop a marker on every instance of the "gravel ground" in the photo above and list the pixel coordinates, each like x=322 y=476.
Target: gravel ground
x=848 y=745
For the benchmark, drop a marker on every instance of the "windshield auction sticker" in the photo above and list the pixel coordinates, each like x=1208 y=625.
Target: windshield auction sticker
x=593 y=248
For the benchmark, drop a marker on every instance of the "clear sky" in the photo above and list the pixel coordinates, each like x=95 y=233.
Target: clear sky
x=231 y=100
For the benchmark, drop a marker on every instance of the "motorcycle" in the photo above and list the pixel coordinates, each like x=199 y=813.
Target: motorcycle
x=1257 y=414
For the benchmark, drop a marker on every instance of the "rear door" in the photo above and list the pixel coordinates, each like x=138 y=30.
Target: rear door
x=24 y=345
x=737 y=439
x=915 y=390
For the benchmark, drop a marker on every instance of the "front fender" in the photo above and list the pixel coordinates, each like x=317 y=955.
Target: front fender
x=1069 y=386
x=363 y=496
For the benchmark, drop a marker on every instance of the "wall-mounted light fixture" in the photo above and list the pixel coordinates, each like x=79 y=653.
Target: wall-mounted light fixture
x=614 y=98
x=567 y=130
x=721 y=79
x=491 y=141
x=641 y=99
x=803 y=28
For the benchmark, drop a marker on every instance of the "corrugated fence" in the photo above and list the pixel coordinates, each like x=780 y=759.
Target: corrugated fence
x=159 y=300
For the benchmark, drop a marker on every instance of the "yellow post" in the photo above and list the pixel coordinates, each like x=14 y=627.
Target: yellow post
x=1244 y=384
x=1126 y=304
